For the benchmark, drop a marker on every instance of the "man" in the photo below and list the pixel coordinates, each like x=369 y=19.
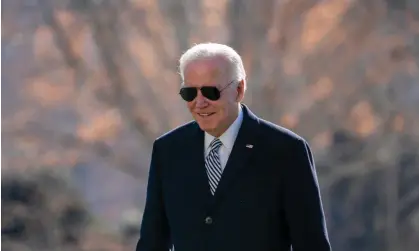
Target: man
x=229 y=180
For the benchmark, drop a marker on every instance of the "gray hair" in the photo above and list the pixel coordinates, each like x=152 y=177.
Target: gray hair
x=211 y=50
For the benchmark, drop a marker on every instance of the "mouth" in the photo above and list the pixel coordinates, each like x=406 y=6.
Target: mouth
x=206 y=115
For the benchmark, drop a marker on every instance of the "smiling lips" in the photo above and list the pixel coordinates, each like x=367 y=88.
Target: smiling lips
x=205 y=114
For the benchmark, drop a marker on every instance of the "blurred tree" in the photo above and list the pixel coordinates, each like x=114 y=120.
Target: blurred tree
x=40 y=211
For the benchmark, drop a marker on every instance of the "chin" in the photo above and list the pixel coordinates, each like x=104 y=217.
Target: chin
x=205 y=126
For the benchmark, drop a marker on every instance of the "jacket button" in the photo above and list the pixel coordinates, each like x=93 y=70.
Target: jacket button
x=208 y=220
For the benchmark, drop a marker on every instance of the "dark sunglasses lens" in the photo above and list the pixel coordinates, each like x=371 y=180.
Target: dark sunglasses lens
x=188 y=93
x=211 y=93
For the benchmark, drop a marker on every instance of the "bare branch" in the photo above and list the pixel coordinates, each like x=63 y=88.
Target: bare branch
x=63 y=43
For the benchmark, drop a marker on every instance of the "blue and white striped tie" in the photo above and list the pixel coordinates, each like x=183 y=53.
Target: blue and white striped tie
x=213 y=164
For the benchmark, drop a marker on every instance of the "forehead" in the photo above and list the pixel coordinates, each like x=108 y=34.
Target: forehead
x=205 y=71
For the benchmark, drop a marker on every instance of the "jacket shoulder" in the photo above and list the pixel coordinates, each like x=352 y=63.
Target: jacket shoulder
x=277 y=132
x=178 y=133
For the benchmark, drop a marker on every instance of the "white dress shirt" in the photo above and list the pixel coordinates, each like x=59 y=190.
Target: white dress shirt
x=227 y=138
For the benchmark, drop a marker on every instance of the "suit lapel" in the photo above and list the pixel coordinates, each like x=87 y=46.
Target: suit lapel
x=196 y=163
x=241 y=153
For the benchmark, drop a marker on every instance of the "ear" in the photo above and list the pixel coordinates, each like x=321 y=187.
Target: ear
x=241 y=88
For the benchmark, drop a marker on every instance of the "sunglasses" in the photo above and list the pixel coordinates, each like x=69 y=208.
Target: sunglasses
x=210 y=92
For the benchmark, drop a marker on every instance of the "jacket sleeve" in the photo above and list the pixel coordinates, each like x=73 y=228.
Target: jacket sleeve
x=154 y=233
x=302 y=201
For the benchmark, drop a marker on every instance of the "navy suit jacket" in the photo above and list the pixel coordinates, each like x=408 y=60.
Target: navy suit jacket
x=267 y=199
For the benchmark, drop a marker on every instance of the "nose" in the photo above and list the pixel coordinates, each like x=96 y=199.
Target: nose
x=201 y=102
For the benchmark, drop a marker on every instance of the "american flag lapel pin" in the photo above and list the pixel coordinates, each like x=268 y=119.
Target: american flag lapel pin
x=249 y=146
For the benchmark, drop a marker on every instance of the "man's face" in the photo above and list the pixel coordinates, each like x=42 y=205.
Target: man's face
x=216 y=116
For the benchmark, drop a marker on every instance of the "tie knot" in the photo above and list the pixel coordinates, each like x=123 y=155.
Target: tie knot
x=215 y=144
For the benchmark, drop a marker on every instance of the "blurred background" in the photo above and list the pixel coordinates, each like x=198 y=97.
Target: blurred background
x=87 y=85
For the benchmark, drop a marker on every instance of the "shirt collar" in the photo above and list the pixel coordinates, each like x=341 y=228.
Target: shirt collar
x=229 y=136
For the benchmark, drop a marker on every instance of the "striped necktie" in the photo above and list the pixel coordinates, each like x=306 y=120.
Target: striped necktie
x=213 y=164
